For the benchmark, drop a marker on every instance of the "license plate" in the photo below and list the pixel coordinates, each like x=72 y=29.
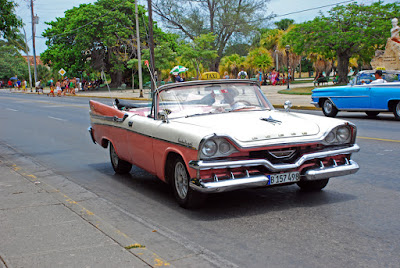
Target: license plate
x=283 y=178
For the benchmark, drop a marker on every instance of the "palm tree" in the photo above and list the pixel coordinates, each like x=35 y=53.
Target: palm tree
x=231 y=64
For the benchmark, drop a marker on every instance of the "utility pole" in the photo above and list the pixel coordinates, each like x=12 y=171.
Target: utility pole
x=34 y=21
x=138 y=47
x=27 y=58
x=151 y=44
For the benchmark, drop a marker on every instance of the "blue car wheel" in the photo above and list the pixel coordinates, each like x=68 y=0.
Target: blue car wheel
x=328 y=108
x=396 y=111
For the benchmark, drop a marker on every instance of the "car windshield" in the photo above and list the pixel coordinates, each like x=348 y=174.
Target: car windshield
x=200 y=99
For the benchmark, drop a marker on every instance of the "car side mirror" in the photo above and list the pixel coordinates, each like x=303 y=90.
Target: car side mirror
x=163 y=115
x=287 y=105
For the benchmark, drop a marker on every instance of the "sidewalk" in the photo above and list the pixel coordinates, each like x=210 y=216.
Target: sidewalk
x=298 y=101
x=48 y=221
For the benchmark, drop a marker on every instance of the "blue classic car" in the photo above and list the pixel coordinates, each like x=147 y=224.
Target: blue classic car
x=360 y=96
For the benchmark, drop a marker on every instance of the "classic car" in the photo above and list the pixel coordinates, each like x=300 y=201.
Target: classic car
x=361 y=96
x=212 y=136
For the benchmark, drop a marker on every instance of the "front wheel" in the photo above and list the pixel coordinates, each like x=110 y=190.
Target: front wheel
x=329 y=109
x=312 y=186
x=119 y=166
x=186 y=197
x=396 y=111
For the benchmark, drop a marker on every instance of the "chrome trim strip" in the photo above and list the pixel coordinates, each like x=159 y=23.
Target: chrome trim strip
x=316 y=104
x=229 y=185
x=218 y=164
x=332 y=171
x=109 y=118
x=144 y=135
x=362 y=96
x=363 y=109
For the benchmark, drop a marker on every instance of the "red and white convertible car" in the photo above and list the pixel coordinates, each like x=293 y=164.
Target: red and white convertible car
x=221 y=135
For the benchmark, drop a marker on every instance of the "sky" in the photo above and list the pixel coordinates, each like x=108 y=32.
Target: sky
x=49 y=10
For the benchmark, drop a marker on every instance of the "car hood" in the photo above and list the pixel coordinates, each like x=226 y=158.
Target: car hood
x=249 y=126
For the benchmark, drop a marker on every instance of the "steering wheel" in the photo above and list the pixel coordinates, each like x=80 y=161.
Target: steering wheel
x=243 y=101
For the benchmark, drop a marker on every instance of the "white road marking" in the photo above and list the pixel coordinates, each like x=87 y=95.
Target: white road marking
x=59 y=119
x=11 y=109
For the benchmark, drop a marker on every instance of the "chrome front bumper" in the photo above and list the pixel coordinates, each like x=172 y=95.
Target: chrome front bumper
x=205 y=165
x=316 y=104
x=252 y=181
x=91 y=134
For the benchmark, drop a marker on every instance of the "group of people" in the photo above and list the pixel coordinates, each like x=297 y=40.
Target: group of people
x=16 y=84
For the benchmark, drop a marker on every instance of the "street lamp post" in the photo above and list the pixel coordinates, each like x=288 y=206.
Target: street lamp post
x=287 y=48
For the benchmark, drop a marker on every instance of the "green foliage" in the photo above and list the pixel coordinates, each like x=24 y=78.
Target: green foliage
x=259 y=58
x=348 y=30
x=232 y=64
x=225 y=19
x=270 y=38
x=99 y=36
x=199 y=51
x=284 y=24
x=9 y=22
x=237 y=48
x=11 y=62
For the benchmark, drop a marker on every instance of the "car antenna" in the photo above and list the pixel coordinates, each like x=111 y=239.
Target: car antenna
x=103 y=76
x=151 y=74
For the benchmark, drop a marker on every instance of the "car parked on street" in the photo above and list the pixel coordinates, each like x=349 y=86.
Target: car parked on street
x=361 y=96
x=213 y=136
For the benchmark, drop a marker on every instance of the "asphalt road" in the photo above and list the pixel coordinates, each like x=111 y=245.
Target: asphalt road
x=354 y=222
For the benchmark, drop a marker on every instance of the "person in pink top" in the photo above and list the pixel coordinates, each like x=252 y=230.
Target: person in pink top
x=274 y=76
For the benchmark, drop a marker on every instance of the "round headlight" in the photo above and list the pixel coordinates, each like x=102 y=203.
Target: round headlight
x=224 y=147
x=343 y=134
x=330 y=138
x=209 y=148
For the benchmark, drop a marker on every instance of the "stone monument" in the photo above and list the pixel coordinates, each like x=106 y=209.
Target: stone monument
x=390 y=57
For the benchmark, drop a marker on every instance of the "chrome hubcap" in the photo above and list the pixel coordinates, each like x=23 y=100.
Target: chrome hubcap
x=114 y=156
x=398 y=109
x=328 y=106
x=181 y=180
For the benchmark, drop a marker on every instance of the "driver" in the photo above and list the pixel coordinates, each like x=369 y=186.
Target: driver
x=229 y=98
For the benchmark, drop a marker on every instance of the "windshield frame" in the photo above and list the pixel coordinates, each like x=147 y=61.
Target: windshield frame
x=156 y=109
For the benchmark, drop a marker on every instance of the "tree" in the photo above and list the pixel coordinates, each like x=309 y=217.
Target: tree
x=99 y=36
x=347 y=31
x=199 y=51
x=9 y=22
x=259 y=58
x=284 y=24
x=11 y=62
x=232 y=64
x=223 y=18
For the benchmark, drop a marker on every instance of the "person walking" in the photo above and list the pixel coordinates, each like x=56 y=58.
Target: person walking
x=242 y=74
x=274 y=76
x=23 y=85
x=260 y=77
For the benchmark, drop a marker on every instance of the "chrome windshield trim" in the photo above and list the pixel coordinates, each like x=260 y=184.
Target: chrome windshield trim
x=220 y=164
